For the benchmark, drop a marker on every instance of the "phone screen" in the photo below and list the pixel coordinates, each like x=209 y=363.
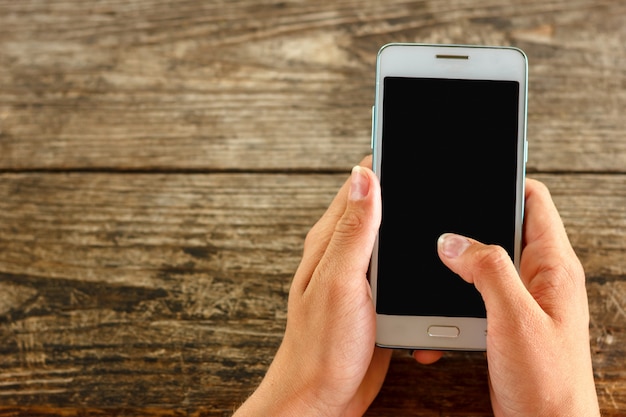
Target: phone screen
x=449 y=164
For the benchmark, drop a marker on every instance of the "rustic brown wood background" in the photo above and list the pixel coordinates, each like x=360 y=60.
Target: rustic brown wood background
x=161 y=162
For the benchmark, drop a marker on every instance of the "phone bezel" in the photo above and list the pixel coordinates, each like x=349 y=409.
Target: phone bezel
x=479 y=62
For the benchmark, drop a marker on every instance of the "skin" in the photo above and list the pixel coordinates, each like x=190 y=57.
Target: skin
x=538 y=339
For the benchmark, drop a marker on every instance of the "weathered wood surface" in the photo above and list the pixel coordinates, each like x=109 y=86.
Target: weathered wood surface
x=161 y=162
x=281 y=85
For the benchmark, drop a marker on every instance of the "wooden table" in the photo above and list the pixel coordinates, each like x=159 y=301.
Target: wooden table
x=162 y=161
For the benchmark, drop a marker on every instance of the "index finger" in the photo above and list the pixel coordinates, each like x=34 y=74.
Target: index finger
x=544 y=232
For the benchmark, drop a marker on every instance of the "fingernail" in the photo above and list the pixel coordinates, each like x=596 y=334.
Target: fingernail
x=359 y=184
x=452 y=245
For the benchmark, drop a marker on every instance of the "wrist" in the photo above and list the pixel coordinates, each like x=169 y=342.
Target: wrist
x=279 y=403
x=278 y=395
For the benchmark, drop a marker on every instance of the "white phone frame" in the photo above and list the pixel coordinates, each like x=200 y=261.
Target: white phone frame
x=452 y=62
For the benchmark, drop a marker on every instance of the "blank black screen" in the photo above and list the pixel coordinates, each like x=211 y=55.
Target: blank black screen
x=449 y=152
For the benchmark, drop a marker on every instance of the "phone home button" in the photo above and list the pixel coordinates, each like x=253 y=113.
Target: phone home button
x=444 y=331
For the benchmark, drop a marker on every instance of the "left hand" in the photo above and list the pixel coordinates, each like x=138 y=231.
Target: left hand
x=327 y=364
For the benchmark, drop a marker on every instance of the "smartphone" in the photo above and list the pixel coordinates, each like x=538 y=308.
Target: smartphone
x=449 y=147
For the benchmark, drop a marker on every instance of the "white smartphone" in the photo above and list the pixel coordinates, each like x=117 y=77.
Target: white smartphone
x=449 y=147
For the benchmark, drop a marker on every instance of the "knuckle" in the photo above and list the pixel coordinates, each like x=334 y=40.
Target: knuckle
x=493 y=258
x=350 y=225
x=564 y=276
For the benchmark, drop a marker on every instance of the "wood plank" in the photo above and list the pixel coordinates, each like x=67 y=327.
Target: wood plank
x=166 y=293
x=154 y=85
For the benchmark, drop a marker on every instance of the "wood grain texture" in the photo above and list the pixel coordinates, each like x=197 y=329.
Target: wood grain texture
x=216 y=85
x=162 y=161
x=169 y=290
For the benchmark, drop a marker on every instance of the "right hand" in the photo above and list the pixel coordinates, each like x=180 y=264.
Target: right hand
x=538 y=351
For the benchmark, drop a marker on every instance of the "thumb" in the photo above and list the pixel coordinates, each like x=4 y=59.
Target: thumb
x=350 y=247
x=490 y=269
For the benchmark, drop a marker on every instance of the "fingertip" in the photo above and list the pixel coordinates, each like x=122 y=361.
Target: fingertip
x=363 y=185
x=452 y=245
x=427 y=357
x=359 y=184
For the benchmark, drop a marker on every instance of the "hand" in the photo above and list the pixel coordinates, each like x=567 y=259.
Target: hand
x=537 y=321
x=327 y=364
